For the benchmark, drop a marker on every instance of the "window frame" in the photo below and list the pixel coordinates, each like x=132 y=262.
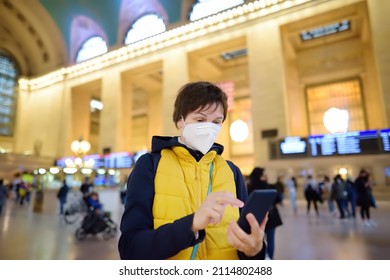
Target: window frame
x=83 y=45
x=197 y=2
x=139 y=18
x=11 y=95
x=329 y=83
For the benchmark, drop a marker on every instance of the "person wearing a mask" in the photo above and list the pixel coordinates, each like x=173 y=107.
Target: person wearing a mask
x=188 y=206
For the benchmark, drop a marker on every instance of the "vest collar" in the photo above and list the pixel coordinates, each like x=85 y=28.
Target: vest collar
x=183 y=153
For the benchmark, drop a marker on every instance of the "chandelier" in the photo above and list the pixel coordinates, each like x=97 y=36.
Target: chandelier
x=79 y=148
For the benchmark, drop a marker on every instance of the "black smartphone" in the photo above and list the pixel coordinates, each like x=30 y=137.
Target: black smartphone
x=258 y=203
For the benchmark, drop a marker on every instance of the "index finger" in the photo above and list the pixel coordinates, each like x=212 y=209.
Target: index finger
x=228 y=198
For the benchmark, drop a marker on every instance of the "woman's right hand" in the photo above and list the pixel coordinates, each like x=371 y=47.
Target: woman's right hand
x=212 y=209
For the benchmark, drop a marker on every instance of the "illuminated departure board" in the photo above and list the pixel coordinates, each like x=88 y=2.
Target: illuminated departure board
x=291 y=147
x=118 y=160
x=349 y=143
x=335 y=144
x=384 y=136
x=113 y=160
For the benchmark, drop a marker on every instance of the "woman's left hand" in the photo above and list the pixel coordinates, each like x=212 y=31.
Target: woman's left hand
x=250 y=244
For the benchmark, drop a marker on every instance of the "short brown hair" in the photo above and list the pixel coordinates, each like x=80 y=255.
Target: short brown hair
x=196 y=95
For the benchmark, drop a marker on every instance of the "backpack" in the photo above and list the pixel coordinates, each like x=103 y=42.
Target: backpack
x=61 y=192
x=155 y=159
x=309 y=192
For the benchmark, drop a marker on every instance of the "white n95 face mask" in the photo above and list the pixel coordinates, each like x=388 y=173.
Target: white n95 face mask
x=201 y=135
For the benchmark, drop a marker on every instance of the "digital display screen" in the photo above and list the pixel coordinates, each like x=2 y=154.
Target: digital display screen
x=97 y=160
x=60 y=162
x=118 y=160
x=384 y=136
x=99 y=163
x=293 y=147
x=114 y=160
x=348 y=143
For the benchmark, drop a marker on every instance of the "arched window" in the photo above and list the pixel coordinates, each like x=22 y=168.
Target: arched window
x=93 y=47
x=336 y=107
x=205 y=8
x=146 y=26
x=8 y=78
x=87 y=39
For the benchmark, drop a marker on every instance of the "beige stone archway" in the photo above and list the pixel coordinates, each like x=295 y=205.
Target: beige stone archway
x=30 y=35
x=326 y=59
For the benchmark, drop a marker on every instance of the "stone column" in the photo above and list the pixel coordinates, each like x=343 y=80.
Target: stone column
x=115 y=117
x=380 y=32
x=65 y=135
x=175 y=75
x=81 y=115
x=154 y=114
x=266 y=88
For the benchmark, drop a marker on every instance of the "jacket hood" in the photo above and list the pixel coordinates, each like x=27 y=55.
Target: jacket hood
x=163 y=142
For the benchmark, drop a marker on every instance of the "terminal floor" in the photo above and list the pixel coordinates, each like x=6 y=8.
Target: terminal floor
x=29 y=235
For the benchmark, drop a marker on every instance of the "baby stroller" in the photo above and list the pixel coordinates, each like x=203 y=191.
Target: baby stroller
x=96 y=222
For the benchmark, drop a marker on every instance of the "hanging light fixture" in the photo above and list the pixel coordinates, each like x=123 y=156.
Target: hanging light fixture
x=239 y=131
x=80 y=148
x=336 y=120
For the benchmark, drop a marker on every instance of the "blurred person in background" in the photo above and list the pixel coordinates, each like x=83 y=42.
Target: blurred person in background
x=326 y=195
x=62 y=195
x=3 y=195
x=16 y=183
x=292 y=187
x=312 y=193
x=364 y=197
x=339 y=194
x=258 y=181
x=27 y=185
x=86 y=187
x=351 y=196
x=279 y=186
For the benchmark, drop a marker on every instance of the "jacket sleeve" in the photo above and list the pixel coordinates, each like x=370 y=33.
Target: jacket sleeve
x=139 y=240
x=242 y=194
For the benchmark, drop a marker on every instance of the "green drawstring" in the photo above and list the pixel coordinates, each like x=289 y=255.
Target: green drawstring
x=195 y=248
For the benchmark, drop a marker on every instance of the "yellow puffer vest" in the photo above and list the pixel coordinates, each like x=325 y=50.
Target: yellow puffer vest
x=181 y=185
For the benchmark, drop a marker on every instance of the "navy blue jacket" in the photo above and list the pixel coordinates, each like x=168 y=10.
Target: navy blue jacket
x=139 y=240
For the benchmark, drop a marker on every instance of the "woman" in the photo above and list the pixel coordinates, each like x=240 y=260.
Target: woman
x=311 y=192
x=292 y=186
x=258 y=181
x=3 y=195
x=187 y=207
x=364 y=197
x=327 y=195
x=62 y=195
x=339 y=194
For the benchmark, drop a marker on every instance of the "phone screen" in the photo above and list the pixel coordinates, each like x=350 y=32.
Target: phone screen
x=258 y=203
